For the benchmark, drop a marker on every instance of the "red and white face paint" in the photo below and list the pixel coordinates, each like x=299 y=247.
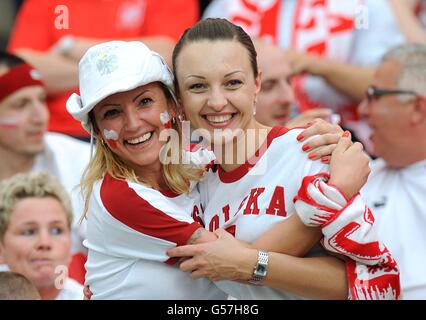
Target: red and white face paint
x=9 y=122
x=111 y=137
x=166 y=120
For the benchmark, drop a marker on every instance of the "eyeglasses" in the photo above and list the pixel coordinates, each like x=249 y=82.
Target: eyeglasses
x=375 y=93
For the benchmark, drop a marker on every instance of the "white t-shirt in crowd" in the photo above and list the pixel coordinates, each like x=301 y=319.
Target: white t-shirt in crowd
x=397 y=198
x=72 y=290
x=66 y=158
x=253 y=198
x=129 y=229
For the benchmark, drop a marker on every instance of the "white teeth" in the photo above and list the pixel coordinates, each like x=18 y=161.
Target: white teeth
x=219 y=119
x=145 y=137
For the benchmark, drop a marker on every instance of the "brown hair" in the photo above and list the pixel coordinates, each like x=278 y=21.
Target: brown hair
x=15 y=286
x=215 y=29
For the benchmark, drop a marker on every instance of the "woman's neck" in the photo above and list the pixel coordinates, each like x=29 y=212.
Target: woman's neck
x=244 y=147
x=152 y=175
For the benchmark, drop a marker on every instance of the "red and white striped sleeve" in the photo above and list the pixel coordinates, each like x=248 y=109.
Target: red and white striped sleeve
x=153 y=225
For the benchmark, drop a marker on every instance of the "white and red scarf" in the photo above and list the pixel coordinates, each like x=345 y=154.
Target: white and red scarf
x=347 y=226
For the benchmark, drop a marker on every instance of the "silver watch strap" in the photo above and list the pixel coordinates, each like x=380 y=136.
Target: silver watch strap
x=260 y=269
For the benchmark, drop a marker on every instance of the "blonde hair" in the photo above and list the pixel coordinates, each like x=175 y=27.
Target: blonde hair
x=177 y=176
x=29 y=185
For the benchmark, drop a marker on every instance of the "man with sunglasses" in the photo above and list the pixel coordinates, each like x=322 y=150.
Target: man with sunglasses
x=395 y=110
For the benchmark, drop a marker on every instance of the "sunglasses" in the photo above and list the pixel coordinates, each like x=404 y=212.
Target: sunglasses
x=374 y=93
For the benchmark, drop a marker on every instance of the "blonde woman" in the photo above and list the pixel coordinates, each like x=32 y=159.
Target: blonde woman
x=137 y=208
x=35 y=236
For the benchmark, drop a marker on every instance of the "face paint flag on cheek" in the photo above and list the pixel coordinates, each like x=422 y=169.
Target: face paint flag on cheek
x=166 y=120
x=111 y=137
x=8 y=123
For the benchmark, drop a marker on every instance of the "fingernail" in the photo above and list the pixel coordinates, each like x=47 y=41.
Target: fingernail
x=310 y=123
x=306 y=147
x=300 y=137
x=345 y=134
x=312 y=156
x=324 y=159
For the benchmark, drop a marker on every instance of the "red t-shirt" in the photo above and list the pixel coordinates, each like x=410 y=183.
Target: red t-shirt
x=41 y=23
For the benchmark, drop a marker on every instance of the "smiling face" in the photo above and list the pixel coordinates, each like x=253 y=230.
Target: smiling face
x=387 y=116
x=23 y=121
x=130 y=124
x=37 y=239
x=217 y=86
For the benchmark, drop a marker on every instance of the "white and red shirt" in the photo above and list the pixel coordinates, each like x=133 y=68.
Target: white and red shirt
x=257 y=195
x=397 y=198
x=129 y=229
x=347 y=31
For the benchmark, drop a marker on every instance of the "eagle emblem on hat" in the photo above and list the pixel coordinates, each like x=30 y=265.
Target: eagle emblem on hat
x=107 y=63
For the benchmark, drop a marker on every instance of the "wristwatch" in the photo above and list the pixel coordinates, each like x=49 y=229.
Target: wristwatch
x=261 y=268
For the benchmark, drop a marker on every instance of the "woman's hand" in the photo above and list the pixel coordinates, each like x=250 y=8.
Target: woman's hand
x=87 y=293
x=320 y=147
x=349 y=166
x=223 y=259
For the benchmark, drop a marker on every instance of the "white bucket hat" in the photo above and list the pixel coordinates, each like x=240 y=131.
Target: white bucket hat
x=112 y=67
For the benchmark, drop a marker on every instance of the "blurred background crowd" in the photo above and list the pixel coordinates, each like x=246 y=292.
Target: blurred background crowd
x=330 y=59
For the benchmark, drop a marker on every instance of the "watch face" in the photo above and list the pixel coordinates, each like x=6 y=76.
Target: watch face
x=261 y=270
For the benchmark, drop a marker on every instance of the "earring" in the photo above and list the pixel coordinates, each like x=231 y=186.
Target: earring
x=254 y=108
x=166 y=120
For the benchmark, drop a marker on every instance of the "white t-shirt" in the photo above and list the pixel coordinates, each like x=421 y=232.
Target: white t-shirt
x=397 y=198
x=66 y=158
x=72 y=291
x=247 y=202
x=129 y=229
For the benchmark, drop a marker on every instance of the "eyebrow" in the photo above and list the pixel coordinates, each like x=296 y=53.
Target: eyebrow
x=201 y=77
x=104 y=105
x=31 y=223
x=140 y=94
x=231 y=73
x=108 y=104
x=195 y=76
x=57 y=221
